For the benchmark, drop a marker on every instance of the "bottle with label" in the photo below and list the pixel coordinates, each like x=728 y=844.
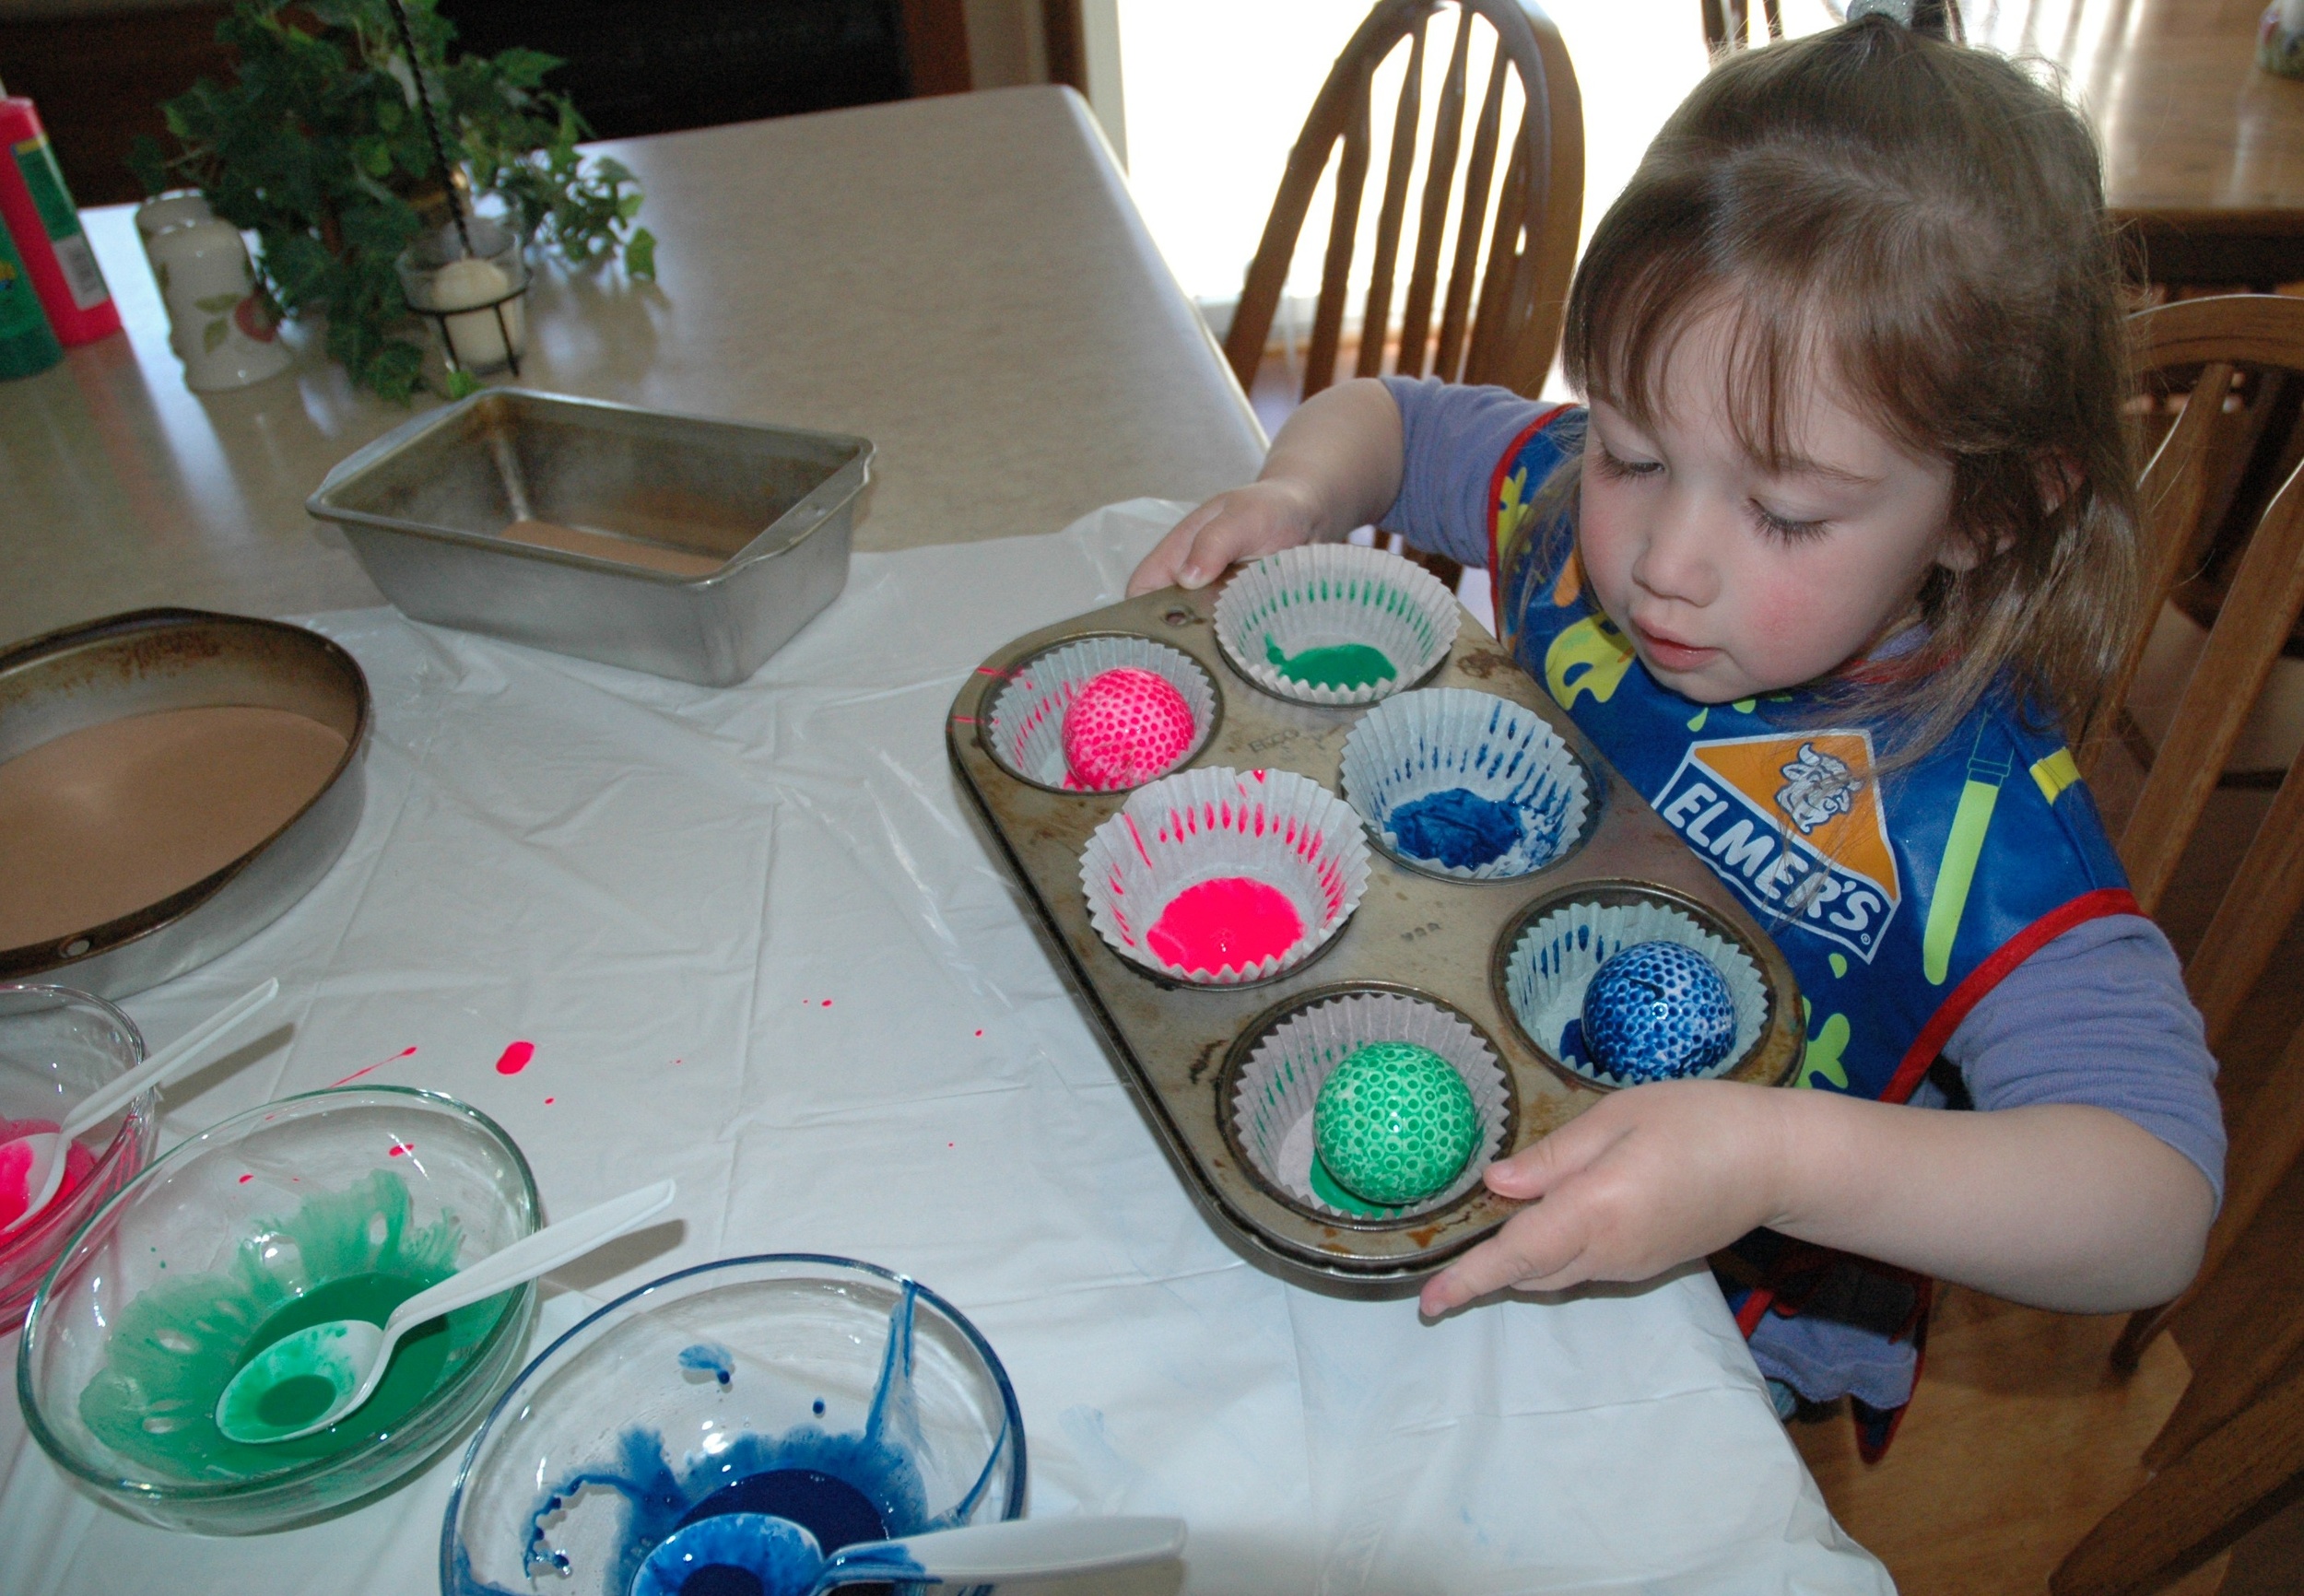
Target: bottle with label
x=40 y=218
x=26 y=343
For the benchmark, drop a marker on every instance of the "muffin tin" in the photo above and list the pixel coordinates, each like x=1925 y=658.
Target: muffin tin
x=1444 y=943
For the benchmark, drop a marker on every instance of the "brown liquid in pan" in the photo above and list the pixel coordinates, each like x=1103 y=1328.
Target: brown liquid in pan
x=104 y=821
x=623 y=550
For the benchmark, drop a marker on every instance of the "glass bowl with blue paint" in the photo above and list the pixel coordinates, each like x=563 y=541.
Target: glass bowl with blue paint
x=851 y=1400
x=1335 y=623
x=1552 y=951
x=330 y=1205
x=1466 y=785
x=56 y=1047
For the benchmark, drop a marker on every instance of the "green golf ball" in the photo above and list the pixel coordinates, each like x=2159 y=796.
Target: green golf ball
x=1394 y=1123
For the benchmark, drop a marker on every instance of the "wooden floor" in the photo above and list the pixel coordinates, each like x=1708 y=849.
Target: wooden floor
x=2020 y=1439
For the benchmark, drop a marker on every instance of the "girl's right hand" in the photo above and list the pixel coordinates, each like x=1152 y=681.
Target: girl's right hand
x=1245 y=524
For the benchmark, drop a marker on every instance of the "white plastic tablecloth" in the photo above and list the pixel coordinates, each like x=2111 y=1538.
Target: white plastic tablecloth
x=758 y=946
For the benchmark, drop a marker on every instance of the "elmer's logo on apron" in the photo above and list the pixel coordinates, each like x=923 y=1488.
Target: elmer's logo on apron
x=1792 y=824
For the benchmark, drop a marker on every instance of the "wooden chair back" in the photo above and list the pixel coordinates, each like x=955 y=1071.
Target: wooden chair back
x=1496 y=315
x=1728 y=23
x=2199 y=1504
x=2244 y=348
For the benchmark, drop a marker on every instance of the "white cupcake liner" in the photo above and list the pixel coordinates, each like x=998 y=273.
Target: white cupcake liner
x=1442 y=738
x=1024 y=729
x=1555 y=958
x=1275 y=827
x=1322 y=595
x=1279 y=1086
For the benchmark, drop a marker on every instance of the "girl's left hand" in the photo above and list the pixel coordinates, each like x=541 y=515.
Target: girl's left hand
x=1646 y=1178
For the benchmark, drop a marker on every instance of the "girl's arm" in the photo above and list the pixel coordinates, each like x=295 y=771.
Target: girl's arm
x=2064 y=1205
x=1335 y=466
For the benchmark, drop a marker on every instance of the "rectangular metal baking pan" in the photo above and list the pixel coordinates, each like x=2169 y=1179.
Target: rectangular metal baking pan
x=760 y=517
x=1177 y=1046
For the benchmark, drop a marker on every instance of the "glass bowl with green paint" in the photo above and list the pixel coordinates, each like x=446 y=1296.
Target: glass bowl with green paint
x=333 y=1204
x=847 y=1398
x=56 y=1047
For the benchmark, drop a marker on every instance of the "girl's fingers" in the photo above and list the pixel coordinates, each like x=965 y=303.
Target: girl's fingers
x=1537 y=1170
x=1162 y=566
x=1540 y=1247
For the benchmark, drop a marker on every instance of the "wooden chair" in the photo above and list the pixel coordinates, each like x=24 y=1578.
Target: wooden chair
x=2231 y=1453
x=1728 y=23
x=1496 y=315
x=2240 y=345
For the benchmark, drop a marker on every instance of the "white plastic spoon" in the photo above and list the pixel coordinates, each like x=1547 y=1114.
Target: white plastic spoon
x=784 y=1558
x=46 y=1150
x=341 y=1360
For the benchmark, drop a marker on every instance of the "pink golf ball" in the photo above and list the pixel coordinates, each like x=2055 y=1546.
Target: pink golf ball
x=1125 y=726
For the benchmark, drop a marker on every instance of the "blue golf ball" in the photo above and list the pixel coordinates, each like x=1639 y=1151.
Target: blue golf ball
x=1658 y=1011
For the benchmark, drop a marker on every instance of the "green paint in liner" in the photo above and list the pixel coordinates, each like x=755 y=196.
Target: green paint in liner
x=1324 y=1187
x=1343 y=667
x=353 y=1254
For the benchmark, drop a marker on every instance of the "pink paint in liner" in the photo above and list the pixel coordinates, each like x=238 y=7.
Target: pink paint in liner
x=1234 y=921
x=515 y=1058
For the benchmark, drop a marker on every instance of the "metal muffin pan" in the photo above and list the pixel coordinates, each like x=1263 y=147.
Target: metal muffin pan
x=1181 y=1048
x=147 y=661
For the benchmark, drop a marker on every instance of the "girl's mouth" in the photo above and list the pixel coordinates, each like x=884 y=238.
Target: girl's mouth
x=1671 y=653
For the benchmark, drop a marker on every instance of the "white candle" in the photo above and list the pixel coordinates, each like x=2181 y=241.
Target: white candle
x=477 y=340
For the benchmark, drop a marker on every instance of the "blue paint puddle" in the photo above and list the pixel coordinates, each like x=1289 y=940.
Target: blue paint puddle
x=843 y=1489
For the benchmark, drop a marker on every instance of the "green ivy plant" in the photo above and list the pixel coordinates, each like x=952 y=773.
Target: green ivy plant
x=319 y=148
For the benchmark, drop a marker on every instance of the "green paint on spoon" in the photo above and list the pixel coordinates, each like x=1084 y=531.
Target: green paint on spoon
x=1342 y=666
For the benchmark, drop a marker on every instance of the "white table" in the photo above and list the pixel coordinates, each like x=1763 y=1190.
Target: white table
x=753 y=939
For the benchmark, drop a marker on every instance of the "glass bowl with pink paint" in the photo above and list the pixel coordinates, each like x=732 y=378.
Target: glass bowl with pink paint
x=333 y=1204
x=57 y=1045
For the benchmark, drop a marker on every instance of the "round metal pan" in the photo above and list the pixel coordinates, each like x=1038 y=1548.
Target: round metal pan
x=152 y=660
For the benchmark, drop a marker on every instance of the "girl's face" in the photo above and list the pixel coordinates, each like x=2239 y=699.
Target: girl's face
x=1732 y=581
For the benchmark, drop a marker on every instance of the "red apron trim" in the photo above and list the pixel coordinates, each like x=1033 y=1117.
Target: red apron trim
x=2105 y=900
x=1496 y=489
x=1755 y=1308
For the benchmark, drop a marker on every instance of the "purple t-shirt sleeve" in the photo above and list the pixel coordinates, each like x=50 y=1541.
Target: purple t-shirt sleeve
x=1453 y=436
x=2100 y=1016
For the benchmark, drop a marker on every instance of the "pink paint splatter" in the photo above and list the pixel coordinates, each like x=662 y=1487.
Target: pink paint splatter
x=379 y=1064
x=245 y=1178
x=827 y=1003
x=550 y=1101
x=400 y=1147
x=515 y=1058
x=979 y=1033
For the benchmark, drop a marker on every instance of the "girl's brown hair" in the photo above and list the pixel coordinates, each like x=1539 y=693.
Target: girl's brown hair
x=1924 y=222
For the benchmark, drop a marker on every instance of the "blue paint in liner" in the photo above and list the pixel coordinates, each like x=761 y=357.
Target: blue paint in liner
x=1457 y=828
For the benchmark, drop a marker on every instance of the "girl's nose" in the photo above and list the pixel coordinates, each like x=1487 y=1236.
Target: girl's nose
x=1676 y=559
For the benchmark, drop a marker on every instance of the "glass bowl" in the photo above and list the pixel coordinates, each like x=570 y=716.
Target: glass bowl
x=329 y=1206
x=833 y=1393
x=56 y=1047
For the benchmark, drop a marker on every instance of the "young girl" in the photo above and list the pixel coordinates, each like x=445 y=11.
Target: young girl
x=1840 y=553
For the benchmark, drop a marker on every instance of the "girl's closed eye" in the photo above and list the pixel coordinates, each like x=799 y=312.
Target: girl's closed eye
x=1788 y=528
x=1613 y=465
